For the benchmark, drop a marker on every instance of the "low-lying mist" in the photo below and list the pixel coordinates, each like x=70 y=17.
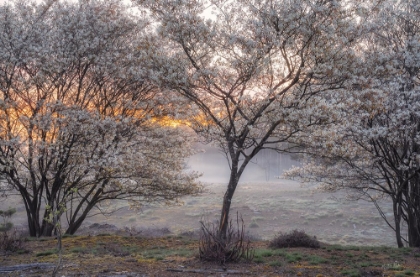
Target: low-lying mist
x=267 y=203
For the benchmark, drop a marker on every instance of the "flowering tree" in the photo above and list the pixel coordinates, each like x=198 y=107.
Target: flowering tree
x=374 y=149
x=79 y=115
x=255 y=70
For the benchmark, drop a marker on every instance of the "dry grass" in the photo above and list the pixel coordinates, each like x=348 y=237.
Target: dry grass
x=108 y=255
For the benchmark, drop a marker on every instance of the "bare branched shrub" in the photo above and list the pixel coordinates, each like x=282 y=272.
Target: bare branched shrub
x=295 y=238
x=11 y=241
x=9 y=237
x=235 y=246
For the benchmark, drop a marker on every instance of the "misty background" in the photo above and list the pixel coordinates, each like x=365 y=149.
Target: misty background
x=267 y=203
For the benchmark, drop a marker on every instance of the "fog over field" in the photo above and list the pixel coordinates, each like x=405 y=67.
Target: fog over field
x=267 y=166
x=267 y=203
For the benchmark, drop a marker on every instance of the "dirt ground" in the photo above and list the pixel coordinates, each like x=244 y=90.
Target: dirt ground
x=110 y=255
x=162 y=241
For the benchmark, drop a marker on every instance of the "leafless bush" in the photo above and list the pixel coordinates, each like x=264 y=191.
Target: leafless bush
x=294 y=239
x=9 y=236
x=235 y=246
x=11 y=241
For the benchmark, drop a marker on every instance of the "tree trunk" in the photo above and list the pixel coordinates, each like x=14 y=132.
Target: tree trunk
x=71 y=230
x=397 y=220
x=36 y=229
x=413 y=230
x=74 y=225
x=413 y=212
x=47 y=228
x=32 y=224
x=32 y=216
x=227 y=199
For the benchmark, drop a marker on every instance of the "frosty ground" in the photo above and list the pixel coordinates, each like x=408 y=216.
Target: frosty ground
x=267 y=204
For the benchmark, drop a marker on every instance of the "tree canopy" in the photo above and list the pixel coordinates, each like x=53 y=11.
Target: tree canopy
x=257 y=71
x=373 y=147
x=79 y=113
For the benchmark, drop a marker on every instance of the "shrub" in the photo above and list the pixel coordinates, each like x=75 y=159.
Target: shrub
x=6 y=225
x=9 y=238
x=294 y=239
x=216 y=249
x=11 y=241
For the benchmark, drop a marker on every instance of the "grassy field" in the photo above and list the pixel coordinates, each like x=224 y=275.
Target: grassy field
x=267 y=208
x=158 y=241
x=111 y=255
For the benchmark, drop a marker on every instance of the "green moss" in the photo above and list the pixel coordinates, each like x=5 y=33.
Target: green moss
x=279 y=252
x=315 y=260
x=293 y=257
x=263 y=253
x=46 y=253
x=350 y=272
x=78 y=249
x=275 y=263
x=409 y=272
x=365 y=264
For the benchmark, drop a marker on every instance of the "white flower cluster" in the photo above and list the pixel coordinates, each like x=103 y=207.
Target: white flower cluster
x=79 y=112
